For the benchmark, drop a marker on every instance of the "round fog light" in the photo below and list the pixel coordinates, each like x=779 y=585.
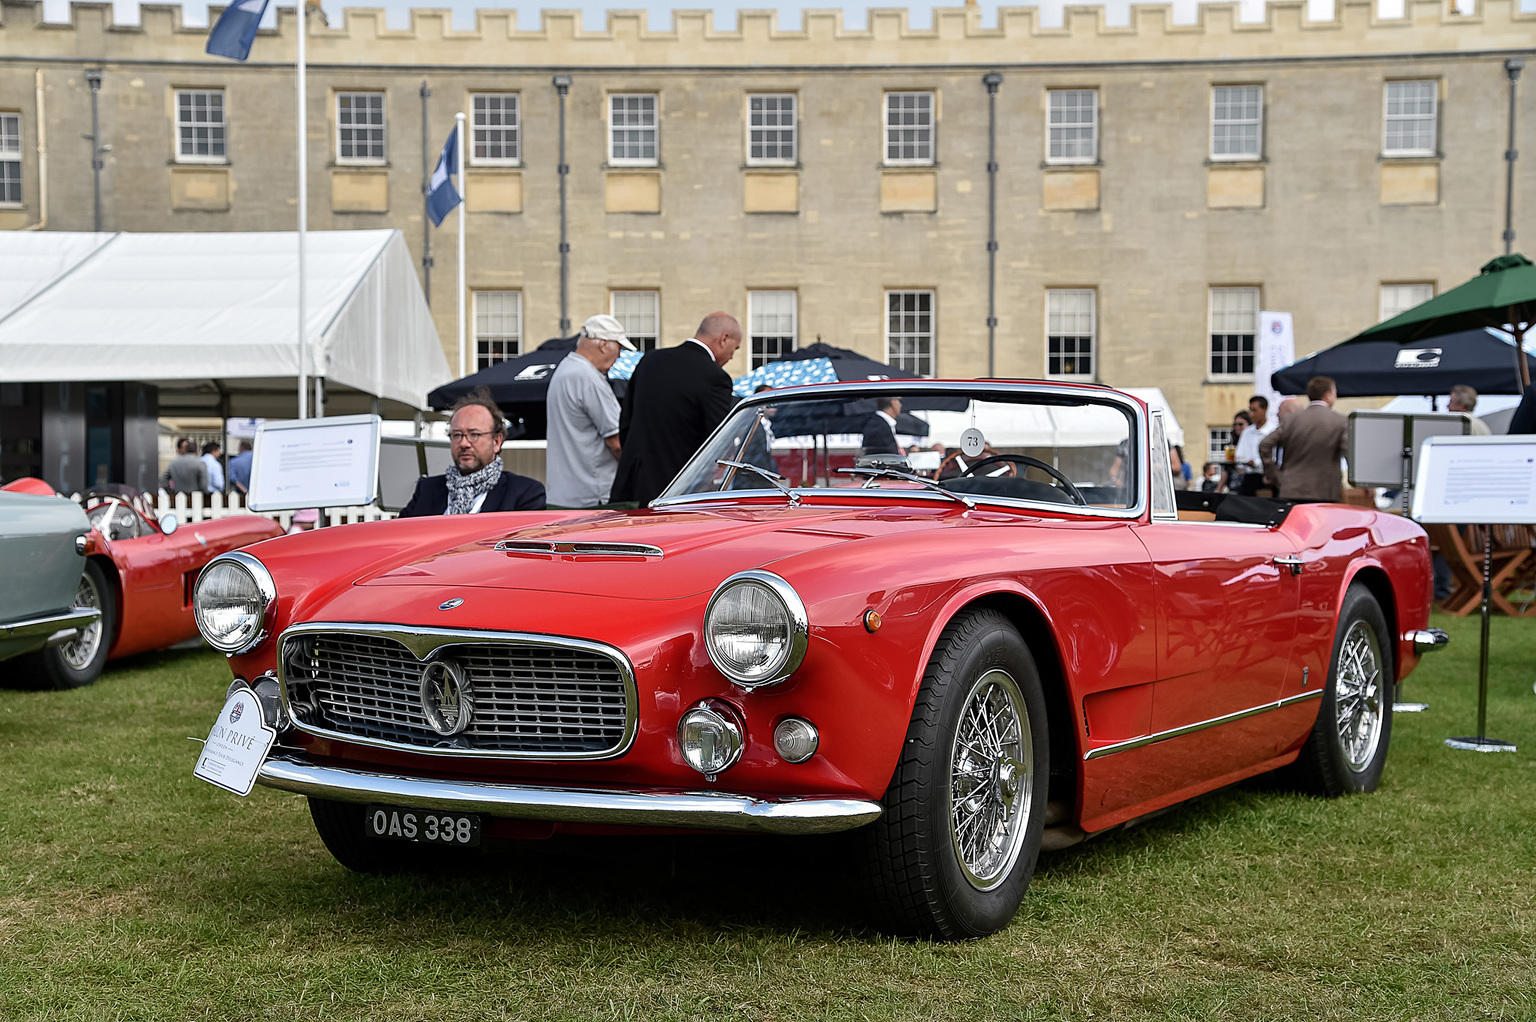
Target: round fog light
x=795 y=739
x=710 y=740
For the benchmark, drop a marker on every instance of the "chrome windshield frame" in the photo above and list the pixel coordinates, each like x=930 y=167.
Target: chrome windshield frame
x=975 y=389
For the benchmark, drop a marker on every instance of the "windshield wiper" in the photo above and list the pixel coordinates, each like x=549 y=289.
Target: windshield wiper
x=891 y=473
x=773 y=477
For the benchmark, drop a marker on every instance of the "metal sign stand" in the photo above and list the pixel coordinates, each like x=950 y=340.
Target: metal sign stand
x=1399 y=705
x=1482 y=743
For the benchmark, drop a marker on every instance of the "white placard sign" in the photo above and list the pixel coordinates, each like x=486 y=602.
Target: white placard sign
x=1477 y=480
x=300 y=463
x=1276 y=350
x=237 y=745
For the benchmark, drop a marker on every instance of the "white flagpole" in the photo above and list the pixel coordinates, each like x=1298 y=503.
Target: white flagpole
x=463 y=201
x=303 y=209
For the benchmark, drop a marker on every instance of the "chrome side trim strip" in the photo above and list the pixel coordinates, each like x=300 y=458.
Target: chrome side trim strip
x=72 y=620
x=1187 y=729
x=581 y=549
x=422 y=643
x=695 y=809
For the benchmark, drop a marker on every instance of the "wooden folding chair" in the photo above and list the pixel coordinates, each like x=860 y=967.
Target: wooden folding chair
x=1462 y=548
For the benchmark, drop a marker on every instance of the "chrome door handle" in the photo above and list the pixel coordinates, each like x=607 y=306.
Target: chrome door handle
x=1294 y=563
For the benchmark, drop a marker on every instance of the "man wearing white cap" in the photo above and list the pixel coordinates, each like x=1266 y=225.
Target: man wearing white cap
x=584 y=417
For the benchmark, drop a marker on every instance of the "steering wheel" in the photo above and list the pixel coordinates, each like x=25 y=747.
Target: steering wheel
x=1065 y=484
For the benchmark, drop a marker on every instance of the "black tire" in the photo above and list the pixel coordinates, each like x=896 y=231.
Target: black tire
x=1347 y=749
x=340 y=825
x=921 y=883
x=78 y=663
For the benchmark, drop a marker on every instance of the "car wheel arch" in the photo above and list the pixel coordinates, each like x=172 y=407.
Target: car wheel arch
x=1034 y=625
x=115 y=579
x=1378 y=583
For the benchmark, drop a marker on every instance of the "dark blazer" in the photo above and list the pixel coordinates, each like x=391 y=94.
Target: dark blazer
x=1311 y=441
x=512 y=492
x=676 y=399
x=879 y=437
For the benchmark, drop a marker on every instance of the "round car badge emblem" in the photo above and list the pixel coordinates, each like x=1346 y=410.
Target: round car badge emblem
x=457 y=601
x=972 y=442
x=445 y=697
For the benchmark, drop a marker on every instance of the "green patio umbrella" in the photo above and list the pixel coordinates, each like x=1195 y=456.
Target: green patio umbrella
x=1502 y=296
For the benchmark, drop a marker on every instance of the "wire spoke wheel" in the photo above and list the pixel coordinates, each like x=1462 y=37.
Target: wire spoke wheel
x=81 y=650
x=1359 y=701
x=991 y=779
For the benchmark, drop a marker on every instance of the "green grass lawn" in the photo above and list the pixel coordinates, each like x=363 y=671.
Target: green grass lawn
x=129 y=890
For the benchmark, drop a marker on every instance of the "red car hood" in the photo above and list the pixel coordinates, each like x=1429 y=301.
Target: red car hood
x=699 y=549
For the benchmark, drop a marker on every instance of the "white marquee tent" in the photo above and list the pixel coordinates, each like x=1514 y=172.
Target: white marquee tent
x=210 y=319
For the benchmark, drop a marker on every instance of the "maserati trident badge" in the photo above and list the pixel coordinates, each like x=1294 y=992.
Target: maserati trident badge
x=445 y=697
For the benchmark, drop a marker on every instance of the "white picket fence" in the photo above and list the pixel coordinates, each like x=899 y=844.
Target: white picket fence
x=202 y=507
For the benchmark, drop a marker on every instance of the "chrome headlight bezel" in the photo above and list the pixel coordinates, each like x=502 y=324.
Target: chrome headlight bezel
x=797 y=641
x=265 y=590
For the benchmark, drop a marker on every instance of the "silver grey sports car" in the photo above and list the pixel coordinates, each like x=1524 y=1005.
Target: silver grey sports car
x=45 y=606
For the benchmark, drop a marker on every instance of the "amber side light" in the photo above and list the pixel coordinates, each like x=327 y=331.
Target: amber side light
x=871 y=622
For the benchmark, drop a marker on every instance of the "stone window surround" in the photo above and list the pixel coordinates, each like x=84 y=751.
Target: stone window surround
x=1051 y=93
x=1422 y=153
x=1391 y=309
x=178 y=124
x=1255 y=157
x=793 y=129
x=361 y=161
x=1092 y=334
x=654 y=127
x=930 y=336
x=756 y=300
x=886 y=128
x=1211 y=332
x=514 y=129
x=10 y=156
x=510 y=342
x=639 y=293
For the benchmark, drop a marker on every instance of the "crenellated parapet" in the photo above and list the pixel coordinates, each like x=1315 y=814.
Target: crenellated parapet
x=956 y=37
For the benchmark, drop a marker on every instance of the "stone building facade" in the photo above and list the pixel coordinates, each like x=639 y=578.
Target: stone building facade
x=1157 y=183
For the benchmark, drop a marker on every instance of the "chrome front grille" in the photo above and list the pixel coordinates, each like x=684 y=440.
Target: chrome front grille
x=531 y=697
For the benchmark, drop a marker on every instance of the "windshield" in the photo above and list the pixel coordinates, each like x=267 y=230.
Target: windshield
x=1046 y=448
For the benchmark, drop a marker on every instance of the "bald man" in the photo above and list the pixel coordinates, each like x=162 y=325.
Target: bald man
x=676 y=399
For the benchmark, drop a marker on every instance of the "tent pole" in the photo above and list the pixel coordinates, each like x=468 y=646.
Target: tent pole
x=303 y=132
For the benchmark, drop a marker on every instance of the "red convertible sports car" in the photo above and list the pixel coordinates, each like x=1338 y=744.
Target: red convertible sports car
x=139 y=572
x=966 y=669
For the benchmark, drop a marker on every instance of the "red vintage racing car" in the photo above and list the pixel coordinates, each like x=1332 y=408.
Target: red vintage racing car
x=967 y=669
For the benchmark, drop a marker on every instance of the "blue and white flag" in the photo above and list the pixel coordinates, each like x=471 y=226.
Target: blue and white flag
x=235 y=30
x=441 y=195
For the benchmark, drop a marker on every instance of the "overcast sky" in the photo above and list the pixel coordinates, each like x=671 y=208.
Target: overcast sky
x=196 y=13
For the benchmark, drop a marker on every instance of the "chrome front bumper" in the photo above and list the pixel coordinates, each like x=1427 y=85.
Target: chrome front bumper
x=52 y=629
x=695 y=809
x=1428 y=640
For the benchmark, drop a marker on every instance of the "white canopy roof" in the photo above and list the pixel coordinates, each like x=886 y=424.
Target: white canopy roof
x=1024 y=425
x=215 y=314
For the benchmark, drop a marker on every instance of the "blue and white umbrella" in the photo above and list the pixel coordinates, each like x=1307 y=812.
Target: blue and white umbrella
x=624 y=368
x=798 y=373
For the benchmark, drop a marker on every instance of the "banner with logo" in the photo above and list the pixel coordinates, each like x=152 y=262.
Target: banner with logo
x=1276 y=349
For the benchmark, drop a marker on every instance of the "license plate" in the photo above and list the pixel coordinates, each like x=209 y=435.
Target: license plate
x=422 y=826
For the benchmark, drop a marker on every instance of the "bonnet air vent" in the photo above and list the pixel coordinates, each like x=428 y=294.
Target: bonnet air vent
x=578 y=549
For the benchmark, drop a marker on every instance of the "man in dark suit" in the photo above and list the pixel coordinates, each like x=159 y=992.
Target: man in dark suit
x=880 y=430
x=1311 y=443
x=676 y=399
x=476 y=481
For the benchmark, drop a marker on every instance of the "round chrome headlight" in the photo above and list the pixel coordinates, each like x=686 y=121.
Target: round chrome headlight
x=234 y=595
x=756 y=629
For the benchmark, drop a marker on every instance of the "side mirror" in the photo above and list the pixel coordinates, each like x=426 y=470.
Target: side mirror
x=169 y=523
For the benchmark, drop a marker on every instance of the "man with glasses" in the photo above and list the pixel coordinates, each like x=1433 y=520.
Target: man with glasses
x=476 y=481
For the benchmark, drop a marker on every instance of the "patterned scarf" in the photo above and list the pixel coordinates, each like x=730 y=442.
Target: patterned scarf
x=463 y=489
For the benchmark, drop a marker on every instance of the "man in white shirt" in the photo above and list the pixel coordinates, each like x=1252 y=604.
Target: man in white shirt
x=1464 y=399
x=1259 y=426
x=583 y=433
x=211 y=452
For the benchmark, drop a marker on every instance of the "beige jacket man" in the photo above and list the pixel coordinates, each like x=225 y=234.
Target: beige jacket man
x=1311 y=442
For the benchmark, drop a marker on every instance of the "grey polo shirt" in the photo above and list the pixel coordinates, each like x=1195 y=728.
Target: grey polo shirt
x=582 y=413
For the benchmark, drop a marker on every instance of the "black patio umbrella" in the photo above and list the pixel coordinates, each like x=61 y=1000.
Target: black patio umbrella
x=1381 y=368
x=519 y=385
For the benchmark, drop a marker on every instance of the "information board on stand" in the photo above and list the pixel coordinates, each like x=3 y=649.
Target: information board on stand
x=320 y=463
